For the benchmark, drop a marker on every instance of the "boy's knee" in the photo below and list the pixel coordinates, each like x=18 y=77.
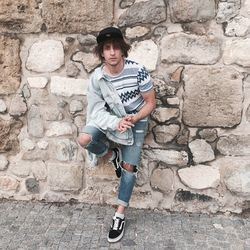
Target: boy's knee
x=84 y=139
x=129 y=167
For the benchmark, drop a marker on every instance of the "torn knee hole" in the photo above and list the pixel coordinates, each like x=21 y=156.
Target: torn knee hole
x=129 y=167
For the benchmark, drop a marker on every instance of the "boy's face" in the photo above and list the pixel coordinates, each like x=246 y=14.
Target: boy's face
x=112 y=54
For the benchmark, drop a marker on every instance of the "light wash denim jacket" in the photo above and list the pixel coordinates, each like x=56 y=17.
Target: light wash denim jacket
x=105 y=109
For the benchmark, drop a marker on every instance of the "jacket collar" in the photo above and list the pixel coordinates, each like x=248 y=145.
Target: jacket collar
x=99 y=73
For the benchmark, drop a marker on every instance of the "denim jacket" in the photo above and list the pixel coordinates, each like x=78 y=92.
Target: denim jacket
x=105 y=109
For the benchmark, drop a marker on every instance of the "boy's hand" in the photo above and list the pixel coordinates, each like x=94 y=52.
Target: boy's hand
x=125 y=123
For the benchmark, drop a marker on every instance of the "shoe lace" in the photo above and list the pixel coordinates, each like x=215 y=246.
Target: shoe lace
x=116 y=223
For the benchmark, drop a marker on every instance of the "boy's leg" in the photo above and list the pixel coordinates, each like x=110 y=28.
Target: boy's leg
x=131 y=160
x=96 y=142
x=131 y=156
x=93 y=139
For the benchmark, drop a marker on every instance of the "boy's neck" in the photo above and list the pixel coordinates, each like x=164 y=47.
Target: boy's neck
x=114 y=70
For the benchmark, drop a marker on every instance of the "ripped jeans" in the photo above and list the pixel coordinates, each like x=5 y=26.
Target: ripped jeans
x=131 y=154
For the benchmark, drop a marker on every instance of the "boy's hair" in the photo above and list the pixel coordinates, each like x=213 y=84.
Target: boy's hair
x=116 y=42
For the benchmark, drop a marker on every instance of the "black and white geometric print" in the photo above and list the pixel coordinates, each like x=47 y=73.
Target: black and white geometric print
x=142 y=75
x=130 y=62
x=129 y=95
x=129 y=85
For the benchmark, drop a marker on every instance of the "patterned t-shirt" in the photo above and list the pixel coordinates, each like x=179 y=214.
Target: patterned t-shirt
x=133 y=81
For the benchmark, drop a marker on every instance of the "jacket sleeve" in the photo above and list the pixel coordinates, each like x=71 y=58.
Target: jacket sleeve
x=97 y=111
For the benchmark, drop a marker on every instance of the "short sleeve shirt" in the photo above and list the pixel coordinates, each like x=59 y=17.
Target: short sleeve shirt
x=130 y=84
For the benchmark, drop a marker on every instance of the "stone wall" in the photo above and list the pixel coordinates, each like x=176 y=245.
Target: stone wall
x=197 y=151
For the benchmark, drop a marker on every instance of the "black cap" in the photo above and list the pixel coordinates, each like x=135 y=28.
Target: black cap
x=107 y=33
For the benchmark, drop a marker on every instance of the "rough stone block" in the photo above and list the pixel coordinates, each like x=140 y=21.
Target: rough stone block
x=201 y=151
x=246 y=6
x=72 y=70
x=64 y=150
x=163 y=88
x=103 y=172
x=238 y=180
x=67 y=86
x=52 y=113
x=137 y=31
x=77 y=16
x=190 y=11
x=27 y=144
x=166 y=133
x=235 y=52
x=45 y=56
x=87 y=42
x=37 y=82
x=64 y=177
x=21 y=168
x=163 y=180
x=75 y=106
x=149 y=48
x=144 y=12
x=35 y=122
x=165 y=114
x=18 y=106
x=126 y=3
x=200 y=176
x=3 y=162
x=9 y=131
x=209 y=135
x=20 y=16
x=235 y=145
x=39 y=170
x=239 y=26
x=169 y=157
x=190 y=49
x=3 y=106
x=88 y=60
x=59 y=129
x=36 y=155
x=8 y=183
x=213 y=97
x=227 y=10
x=10 y=64
x=235 y=173
x=32 y=185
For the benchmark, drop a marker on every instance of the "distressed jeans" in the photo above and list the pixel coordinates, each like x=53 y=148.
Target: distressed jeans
x=131 y=154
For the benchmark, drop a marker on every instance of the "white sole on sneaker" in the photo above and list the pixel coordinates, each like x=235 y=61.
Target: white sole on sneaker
x=116 y=239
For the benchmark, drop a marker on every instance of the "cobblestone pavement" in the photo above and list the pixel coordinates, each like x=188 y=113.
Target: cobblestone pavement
x=28 y=225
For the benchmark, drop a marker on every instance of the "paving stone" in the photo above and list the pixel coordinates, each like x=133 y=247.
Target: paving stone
x=82 y=226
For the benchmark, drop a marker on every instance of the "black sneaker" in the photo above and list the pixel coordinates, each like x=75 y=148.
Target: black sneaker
x=117 y=229
x=117 y=161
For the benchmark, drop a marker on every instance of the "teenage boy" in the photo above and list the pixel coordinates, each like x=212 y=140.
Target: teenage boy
x=120 y=99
